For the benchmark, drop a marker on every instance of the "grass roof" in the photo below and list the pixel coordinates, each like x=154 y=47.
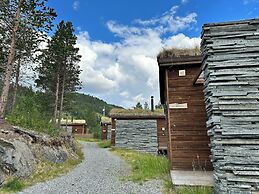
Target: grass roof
x=105 y=119
x=174 y=52
x=136 y=113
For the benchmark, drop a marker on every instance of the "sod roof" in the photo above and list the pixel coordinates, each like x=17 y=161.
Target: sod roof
x=136 y=114
x=174 y=52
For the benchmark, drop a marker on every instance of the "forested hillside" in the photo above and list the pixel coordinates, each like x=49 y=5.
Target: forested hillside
x=89 y=108
x=34 y=111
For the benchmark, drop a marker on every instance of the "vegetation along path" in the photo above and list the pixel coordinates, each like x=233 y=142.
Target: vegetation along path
x=100 y=172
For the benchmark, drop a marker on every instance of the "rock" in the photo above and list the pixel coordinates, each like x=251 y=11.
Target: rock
x=54 y=154
x=16 y=158
x=1 y=177
x=21 y=150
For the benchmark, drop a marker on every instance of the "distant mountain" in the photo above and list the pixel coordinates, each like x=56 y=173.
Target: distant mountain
x=87 y=102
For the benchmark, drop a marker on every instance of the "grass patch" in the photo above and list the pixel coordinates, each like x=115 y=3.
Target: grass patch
x=104 y=144
x=44 y=171
x=144 y=166
x=87 y=139
x=12 y=185
x=189 y=190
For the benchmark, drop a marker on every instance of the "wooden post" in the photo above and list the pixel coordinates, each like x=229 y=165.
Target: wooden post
x=104 y=131
x=113 y=132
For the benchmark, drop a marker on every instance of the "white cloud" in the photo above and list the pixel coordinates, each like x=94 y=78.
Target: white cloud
x=245 y=2
x=75 y=5
x=181 y=41
x=126 y=72
x=169 y=22
x=184 y=1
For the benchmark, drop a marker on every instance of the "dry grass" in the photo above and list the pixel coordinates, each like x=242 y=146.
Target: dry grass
x=136 y=112
x=173 y=52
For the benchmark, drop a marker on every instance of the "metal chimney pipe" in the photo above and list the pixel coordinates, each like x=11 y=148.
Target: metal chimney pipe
x=152 y=103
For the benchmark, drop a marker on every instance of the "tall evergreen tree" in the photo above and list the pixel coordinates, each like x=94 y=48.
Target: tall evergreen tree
x=34 y=15
x=138 y=106
x=59 y=70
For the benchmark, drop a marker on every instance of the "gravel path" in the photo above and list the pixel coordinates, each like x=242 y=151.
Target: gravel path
x=99 y=173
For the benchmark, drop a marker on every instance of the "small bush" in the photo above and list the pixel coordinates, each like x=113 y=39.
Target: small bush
x=104 y=144
x=13 y=185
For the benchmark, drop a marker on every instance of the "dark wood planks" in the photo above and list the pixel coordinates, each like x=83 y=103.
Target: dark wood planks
x=162 y=135
x=188 y=134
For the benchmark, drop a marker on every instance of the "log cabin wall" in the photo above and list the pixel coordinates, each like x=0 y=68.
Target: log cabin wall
x=186 y=115
x=104 y=131
x=189 y=139
x=162 y=135
x=231 y=69
x=78 y=129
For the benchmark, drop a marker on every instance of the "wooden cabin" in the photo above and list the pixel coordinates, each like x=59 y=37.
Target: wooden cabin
x=74 y=126
x=138 y=129
x=106 y=128
x=181 y=92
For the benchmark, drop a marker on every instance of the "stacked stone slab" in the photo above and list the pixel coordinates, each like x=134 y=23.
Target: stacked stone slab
x=138 y=135
x=231 y=71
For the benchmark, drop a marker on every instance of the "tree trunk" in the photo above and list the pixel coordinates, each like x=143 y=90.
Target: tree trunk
x=17 y=77
x=9 y=65
x=61 y=101
x=56 y=101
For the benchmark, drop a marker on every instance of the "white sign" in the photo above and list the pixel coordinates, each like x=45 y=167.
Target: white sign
x=182 y=73
x=178 y=106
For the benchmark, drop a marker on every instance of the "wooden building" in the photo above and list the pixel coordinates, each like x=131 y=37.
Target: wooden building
x=181 y=91
x=141 y=130
x=74 y=126
x=106 y=128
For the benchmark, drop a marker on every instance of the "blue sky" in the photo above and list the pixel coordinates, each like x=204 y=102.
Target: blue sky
x=120 y=39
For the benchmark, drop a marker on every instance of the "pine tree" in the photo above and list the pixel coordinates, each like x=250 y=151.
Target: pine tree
x=59 y=70
x=138 y=106
x=35 y=15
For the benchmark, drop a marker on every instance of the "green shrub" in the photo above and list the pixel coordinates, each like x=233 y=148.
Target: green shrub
x=13 y=185
x=104 y=144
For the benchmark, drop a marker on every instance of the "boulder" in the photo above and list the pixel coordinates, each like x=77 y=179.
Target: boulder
x=21 y=150
x=16 y=158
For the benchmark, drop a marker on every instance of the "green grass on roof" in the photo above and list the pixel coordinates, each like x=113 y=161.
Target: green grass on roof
x=174 y=52
x=138 y=112
x=105 y=119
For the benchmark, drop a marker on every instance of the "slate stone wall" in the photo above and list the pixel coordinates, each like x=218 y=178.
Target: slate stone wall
x=231 y=70
x=139 y=135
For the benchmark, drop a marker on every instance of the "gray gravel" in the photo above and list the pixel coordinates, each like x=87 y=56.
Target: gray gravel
x=100 y=172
